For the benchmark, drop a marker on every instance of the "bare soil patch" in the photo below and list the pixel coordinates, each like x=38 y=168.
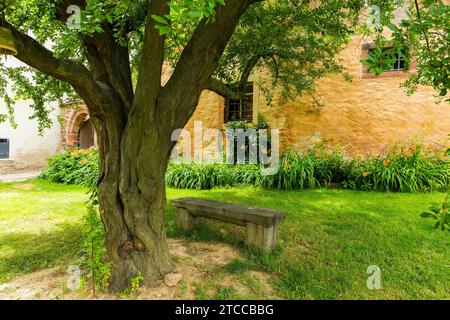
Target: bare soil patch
x=198 y=263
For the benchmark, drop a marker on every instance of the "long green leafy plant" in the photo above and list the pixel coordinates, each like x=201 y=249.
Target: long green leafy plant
x=441 y=214
x=403 y=169
x=94 y=252
x=78 y=167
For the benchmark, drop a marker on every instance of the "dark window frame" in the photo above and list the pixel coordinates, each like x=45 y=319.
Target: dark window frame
x=6 y=155
x=399 y=63
x=240 y=109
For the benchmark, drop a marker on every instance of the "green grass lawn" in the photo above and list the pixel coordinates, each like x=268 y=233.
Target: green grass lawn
x=326 y=243
x=40 y=225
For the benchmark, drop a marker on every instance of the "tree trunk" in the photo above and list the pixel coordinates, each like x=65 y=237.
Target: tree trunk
x=132 y=200
x=134 y=126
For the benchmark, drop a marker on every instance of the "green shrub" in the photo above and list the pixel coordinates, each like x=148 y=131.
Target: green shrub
x=198 y=176
x=295 y=171
x=441 y=214
x=250 y=143
x=316 y=168
x=246 y=174
x=404 y=169
x=74 y=167
x=331 y=165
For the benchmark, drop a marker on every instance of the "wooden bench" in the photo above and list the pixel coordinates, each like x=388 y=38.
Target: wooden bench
x=261 y=224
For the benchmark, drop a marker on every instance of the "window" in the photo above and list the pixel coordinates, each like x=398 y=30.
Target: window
x=242 y=109
x=399 y=63
x=4 y=148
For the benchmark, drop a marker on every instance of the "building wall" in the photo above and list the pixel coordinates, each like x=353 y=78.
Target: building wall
x=28 y=150
x=365 y=116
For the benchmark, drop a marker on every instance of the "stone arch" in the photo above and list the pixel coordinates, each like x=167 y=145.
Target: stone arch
x=79 y=130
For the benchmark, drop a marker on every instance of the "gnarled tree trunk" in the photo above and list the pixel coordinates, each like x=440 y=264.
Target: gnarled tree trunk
x=135 y=144
x=134 y=124
x=132 y=199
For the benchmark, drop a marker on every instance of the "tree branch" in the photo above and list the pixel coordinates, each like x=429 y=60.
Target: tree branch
x=113 y=60
x=248 y=68
x=223 y=89
x=237 y=91
x=108 y=60
x=198 y=62
x=37 y=56
x=98 y=96
x=150 y=70
x=416 y=4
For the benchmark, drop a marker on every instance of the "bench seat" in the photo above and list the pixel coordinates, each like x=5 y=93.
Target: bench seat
x=260 y=223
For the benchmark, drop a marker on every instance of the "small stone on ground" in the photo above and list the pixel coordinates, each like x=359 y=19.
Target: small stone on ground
x=172 y=279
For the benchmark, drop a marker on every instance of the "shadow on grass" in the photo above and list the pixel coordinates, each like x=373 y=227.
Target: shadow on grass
x=330 y=237
x=24 y=252
x=207 y=231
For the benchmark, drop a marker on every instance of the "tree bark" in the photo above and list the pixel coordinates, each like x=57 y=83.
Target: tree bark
x=132 y=200
x=134 y=126
x=135 y=157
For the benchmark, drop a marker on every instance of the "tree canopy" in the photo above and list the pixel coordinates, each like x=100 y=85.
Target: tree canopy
x=296 y=42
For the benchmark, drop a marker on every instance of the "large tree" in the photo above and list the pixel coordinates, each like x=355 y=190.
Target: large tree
x=113 y=61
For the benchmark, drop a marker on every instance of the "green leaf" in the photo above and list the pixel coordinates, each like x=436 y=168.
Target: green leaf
x=160 y=19
x=163 y=30
x=427 y=215
x=435 y=209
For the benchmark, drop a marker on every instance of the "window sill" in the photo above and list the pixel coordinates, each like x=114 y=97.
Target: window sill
x=385 y=75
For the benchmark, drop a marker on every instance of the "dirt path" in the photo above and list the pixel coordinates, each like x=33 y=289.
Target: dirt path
x=19 y=176
x=197 y=263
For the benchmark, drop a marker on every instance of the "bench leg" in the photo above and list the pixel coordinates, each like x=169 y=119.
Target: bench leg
x=260 y=236
x=185 y=220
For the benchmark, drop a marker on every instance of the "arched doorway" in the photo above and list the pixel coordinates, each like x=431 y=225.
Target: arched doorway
x=80 y=130
x=86 y=135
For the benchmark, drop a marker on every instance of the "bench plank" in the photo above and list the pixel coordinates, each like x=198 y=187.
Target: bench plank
x=260 y=223
x=229 y=212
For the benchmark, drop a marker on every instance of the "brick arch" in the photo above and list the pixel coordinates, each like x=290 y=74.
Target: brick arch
x=77 y=119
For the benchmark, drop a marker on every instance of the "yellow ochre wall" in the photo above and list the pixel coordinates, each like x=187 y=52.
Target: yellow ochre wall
x=365 y=116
